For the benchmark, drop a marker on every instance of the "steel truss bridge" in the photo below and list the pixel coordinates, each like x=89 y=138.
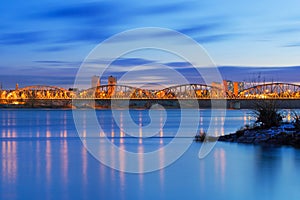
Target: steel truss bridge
x=188 y=91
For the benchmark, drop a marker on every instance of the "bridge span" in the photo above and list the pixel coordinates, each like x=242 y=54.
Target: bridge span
x=187 y=91
x=51 y=96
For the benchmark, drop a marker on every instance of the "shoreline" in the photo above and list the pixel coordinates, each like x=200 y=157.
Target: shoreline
x=275 y=137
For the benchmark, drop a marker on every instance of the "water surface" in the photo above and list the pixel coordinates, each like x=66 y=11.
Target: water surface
x=43 y=158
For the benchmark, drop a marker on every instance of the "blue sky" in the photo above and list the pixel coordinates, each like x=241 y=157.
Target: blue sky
x=44 y=42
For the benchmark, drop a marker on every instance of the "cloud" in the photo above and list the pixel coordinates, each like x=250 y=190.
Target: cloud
x=58 y=63
x=206 y=36
x=131 y=62
x=83 y=22
x=292 y=45
x=80 y=11
x=178 y=64
x=19 y=38
x=200 y=29
x=89 y=35
x=53 y=49
x=93 y=22
x=276 y=74
x=165 y=9
x=101 y=16
x=215 y=37
x=287 y=30
x=119 y=65
x=63 y=73
x=9 y=81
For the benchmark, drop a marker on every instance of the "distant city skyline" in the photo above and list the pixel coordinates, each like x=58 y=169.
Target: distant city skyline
x=45 y=42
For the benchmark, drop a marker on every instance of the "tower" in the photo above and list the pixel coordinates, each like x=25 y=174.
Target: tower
x=112 y=80
x=95 y=82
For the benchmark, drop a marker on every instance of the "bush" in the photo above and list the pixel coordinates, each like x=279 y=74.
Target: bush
x=267 y=114
x=296 y=120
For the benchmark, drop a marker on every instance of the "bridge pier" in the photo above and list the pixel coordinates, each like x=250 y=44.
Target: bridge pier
x=234 y=104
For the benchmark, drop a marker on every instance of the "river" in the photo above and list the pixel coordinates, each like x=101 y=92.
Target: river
x=42 y=157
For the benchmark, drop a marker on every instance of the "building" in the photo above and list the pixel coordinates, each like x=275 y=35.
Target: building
x=228 y=87
x=112 y=80
x=217 y=90
x=233 y=88
x=238 y=87
x=95 y=82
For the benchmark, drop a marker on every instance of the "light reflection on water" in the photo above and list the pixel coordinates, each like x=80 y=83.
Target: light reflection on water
x=220 y=165
x=54 y=159
x=9 y=163
x=60 y=124
x=64 y=165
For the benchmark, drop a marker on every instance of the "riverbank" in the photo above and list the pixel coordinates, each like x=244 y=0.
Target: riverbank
x=285 y=135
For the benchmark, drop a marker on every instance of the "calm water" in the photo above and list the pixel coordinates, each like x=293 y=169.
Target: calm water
x=43 y=158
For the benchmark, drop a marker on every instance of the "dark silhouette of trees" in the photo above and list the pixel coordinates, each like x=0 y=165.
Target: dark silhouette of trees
x=267 y=113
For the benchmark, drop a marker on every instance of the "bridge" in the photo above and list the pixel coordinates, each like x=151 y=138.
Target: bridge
x=36 y=92
x=187 y=91
x=272 y=91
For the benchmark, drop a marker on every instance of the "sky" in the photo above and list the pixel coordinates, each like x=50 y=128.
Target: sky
x=45 y=42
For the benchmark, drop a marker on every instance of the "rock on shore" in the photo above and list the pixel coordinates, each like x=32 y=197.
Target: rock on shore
x=275 y=136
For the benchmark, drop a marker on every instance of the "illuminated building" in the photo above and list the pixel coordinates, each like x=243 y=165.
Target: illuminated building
x=229 y=87
x=238 y=87
x=112 y=80
x=233 y=88
x=217 y=89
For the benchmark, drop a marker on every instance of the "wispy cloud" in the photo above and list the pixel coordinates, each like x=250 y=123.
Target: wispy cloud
x=95 y=21
x=62 y=73
x=294 y=29
x=69 y=29
x=53 y=48
x=84 y=35
x=99 y=10
x=131 y=62
x=165 y=8
x=9 y=81
x=19 y=38
x=201 y=28
x=296 y=44
x=216 y=37
x=178 y=64
x=277 y=74
x=84 y=22
x=58 y=63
